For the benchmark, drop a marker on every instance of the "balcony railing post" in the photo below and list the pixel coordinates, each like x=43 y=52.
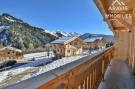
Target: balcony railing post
x=103 y=67
x=71 y=81
x=87 y=75
x=109 y=58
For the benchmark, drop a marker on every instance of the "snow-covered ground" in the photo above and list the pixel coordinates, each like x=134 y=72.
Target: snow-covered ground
x=30 y=70
x=39 y=55
x=21 y=69
x=53 y=65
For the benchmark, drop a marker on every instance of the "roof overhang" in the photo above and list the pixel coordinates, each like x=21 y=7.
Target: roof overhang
x=110 y=9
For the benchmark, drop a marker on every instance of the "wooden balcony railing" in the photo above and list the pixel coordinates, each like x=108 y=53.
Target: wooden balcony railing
x=87 y=75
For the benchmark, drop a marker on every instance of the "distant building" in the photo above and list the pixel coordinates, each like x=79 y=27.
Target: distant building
x=68 y=46
x=10 y=53
x=102 y=42
x=94 y=42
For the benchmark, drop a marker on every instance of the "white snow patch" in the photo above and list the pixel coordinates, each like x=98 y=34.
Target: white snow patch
x=51 y=32
x=13 y=72
x=53 y=65
x=63 y=33
x=4 y=27
x=7 y=74
x=9 y=19
x=37 y=55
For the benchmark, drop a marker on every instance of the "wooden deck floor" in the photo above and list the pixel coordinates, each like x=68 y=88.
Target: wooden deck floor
x=118 y=76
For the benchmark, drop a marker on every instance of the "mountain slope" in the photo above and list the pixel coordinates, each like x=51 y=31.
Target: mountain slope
x=16 y=33
x=61 y=33
x=109 y=38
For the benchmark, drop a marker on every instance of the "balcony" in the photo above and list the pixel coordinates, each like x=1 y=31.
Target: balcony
x=117 y=76
x=112 y=68
x=98 y=71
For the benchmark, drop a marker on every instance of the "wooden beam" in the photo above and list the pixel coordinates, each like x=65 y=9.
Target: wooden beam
x=120 y=28
x=125 y=23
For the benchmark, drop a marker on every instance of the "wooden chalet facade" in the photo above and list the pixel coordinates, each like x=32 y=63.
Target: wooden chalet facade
x=10 y=53
x=68 y=46
x=99 y=42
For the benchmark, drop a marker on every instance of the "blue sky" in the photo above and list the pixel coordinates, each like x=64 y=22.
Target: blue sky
x=65 y=15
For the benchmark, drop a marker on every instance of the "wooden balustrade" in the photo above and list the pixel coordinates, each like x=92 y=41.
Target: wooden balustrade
x=87 y=75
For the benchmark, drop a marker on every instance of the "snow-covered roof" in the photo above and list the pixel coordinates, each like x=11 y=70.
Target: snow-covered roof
x=93 y=39
x=11 y=48
x=64 y=40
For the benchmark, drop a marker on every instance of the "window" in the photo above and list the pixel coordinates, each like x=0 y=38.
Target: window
x=55 y=46
x=68 y=51
x=75 y=43
x=8 y=52
x=58 y=50
x=68 y=46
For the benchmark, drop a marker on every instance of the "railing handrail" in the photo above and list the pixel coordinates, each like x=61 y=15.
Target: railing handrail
x=66 y=70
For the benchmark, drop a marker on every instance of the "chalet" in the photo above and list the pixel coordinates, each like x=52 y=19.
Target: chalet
x=99 y=42
x=8 y=53
x=102 y=42
x=68 y=46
